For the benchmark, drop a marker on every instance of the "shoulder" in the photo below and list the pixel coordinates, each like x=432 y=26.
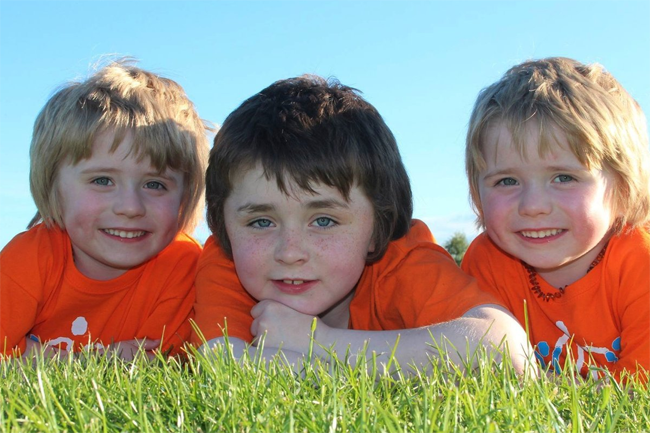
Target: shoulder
x=637 y=239
x=415 y=257
x=39 y=241
x=418 y=241
x=629 y=251
x=481 y=245
x=213 y=255
x=626 y=269
x=36 y=259
x=482 y=252
x=495 y=271
x=182 y=253
x=183 y=245
x=419 y=281
x=186 y=243
x=215 y=268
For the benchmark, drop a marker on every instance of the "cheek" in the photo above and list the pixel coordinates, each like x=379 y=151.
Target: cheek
x=494 y=208
x=595 y=217
x=77 y=210
x=166 y=211
x=250 y=256
x=346 y=256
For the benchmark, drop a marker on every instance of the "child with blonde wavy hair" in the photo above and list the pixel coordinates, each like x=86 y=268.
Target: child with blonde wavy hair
x=558 y=166
x=117 y=165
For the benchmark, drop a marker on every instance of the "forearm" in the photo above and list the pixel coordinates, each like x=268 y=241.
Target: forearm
x=456 y=341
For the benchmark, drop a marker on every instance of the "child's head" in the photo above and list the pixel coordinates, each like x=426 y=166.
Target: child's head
x=120 y=101
x=580 y=108
x=305 y=133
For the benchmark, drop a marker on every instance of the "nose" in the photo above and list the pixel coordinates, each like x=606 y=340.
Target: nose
x=291 y=247
x=535 y=201
x=130 y=203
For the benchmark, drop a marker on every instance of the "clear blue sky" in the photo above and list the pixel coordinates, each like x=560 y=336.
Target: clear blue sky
x=421 y=63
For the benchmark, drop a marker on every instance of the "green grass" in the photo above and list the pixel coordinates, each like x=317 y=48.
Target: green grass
x=215 y=393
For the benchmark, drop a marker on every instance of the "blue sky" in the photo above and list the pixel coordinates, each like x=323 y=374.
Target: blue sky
x=421 y=63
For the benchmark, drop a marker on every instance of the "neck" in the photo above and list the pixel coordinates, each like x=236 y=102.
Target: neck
x=338 y=316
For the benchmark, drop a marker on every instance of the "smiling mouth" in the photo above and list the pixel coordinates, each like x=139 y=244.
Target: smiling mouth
x=294 y=287
x=124 y=234
x=541 y=234
x=294 y=282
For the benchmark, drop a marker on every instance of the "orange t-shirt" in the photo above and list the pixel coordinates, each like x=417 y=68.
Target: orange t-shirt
x=604 y=318
x=44 y=295
x=416 y=283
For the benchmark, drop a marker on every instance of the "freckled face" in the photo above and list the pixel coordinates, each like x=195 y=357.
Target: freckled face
x=551 y=212
x=119 y=212
x=306 y=251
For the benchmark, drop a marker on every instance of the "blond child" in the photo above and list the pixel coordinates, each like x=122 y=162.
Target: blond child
x=558 y=166
x=310 y=209
x=117 y=165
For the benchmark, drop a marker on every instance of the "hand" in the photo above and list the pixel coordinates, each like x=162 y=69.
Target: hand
x=33 y=347
x=128 y=349
x=285 y=327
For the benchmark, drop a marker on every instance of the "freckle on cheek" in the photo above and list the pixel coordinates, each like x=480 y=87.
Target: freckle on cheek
x=322 y=244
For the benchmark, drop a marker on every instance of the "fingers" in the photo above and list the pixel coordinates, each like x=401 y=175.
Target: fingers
x=258 y=331
x=260 y=313
x=127 y=350
x=33 y=346
x=147 y=344
x=260 y=307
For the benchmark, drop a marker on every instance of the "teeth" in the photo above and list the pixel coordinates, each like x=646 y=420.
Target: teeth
x=123 y=234
x=541 y=233
x=294 y=282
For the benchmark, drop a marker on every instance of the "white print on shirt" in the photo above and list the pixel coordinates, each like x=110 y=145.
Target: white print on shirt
x=79 y=327
x=543 y=351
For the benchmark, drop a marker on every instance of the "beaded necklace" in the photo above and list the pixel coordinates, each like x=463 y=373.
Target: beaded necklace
x=532 y=276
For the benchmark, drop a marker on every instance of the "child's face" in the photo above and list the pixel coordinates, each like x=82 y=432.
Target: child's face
x=307 y=251
x=551 y=212
x=118 y=212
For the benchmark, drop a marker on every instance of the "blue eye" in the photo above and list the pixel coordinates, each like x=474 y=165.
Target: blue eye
x=508 y=181
x=324 y=222
x=562 y=178
x=261 y=223
x=154 y=185
x=103 y=181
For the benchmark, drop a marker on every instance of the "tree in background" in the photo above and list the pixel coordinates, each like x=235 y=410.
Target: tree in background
x=456 y=246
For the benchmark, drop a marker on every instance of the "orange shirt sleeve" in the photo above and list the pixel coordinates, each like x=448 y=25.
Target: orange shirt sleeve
x=628 y=270
x=222 y=303
x=28 y=263
x=482 y=261
x=415 y=284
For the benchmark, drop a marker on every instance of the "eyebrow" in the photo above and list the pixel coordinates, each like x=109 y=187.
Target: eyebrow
x=513 y=170
x=91 y=170
x=255 y=208
x=497 y=173
x=111 y=170
x=313 y=204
